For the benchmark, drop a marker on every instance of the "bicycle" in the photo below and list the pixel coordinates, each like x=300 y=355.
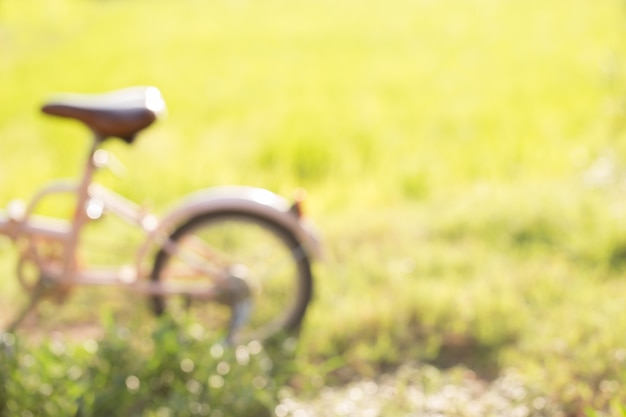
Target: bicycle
x=237 y=257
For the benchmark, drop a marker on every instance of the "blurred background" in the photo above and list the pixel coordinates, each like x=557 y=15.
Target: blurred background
x=464 y=161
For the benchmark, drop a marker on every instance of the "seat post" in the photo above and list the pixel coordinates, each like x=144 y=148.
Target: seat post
x=80 y=217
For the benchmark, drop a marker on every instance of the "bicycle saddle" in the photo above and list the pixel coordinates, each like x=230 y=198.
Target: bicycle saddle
x=121 y=113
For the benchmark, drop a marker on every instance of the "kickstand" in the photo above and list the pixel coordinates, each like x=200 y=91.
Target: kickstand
x=240 y=313
x=36 y=296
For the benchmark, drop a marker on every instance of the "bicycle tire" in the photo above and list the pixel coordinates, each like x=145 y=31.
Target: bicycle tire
x=276 y=309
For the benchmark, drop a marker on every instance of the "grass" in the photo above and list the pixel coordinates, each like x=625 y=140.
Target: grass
x=171 y=372
x=464 y=160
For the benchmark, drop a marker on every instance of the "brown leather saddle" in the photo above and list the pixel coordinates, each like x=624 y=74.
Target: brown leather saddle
x=121 y=113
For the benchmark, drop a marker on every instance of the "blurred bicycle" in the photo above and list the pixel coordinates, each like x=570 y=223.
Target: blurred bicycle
x=237 y=258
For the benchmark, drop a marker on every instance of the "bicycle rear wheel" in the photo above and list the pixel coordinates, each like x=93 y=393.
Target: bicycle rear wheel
x=278 y=281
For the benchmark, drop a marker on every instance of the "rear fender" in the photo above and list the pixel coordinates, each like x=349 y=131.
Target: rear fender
x=255 y=201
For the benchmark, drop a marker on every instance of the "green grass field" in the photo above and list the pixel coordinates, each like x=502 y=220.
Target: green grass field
x=465 y=161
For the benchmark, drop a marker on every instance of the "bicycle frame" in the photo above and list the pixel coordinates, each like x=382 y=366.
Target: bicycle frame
x=92 y=201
